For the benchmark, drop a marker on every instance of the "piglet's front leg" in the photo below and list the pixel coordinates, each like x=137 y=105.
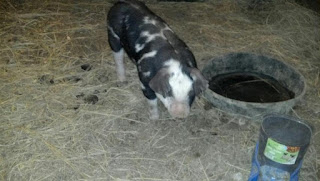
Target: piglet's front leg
x=153 y=109
x=152 y=101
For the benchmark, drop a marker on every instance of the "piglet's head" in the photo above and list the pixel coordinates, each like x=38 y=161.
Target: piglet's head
x=176 y=87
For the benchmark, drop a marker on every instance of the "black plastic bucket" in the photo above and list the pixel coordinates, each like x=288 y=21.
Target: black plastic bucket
x=282 y=144
x=237 y=82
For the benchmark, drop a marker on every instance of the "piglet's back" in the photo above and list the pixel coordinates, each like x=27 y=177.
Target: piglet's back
x=141 y=31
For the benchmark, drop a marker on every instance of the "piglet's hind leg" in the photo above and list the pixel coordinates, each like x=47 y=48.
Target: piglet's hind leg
x=118 y=53
x=118 y=58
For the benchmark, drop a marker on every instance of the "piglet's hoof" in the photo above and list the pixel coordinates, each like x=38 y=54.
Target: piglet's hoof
x=122 y=83
x=153 y=114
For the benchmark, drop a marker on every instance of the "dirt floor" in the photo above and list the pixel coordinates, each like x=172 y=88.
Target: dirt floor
x=63 y=117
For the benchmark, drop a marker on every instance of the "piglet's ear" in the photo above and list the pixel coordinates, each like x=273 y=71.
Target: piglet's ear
x=199 y=82
x=160 y=82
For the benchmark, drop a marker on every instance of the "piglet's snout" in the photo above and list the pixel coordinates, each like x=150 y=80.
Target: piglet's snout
x=179 y=110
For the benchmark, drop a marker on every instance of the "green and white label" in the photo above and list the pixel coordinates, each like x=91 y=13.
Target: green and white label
x=281 y=153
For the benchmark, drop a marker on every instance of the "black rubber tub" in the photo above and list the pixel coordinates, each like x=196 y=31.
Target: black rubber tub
x=252 y=85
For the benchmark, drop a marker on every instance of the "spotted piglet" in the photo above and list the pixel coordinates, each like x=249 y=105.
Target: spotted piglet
x=167 y=68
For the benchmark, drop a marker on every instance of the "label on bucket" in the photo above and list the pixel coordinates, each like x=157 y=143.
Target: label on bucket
x=281 y=153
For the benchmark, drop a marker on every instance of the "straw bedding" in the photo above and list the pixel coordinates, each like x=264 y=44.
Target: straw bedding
x=64 y=116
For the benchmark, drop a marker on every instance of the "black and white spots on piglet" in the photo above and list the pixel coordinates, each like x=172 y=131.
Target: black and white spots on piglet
x=166 y=67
